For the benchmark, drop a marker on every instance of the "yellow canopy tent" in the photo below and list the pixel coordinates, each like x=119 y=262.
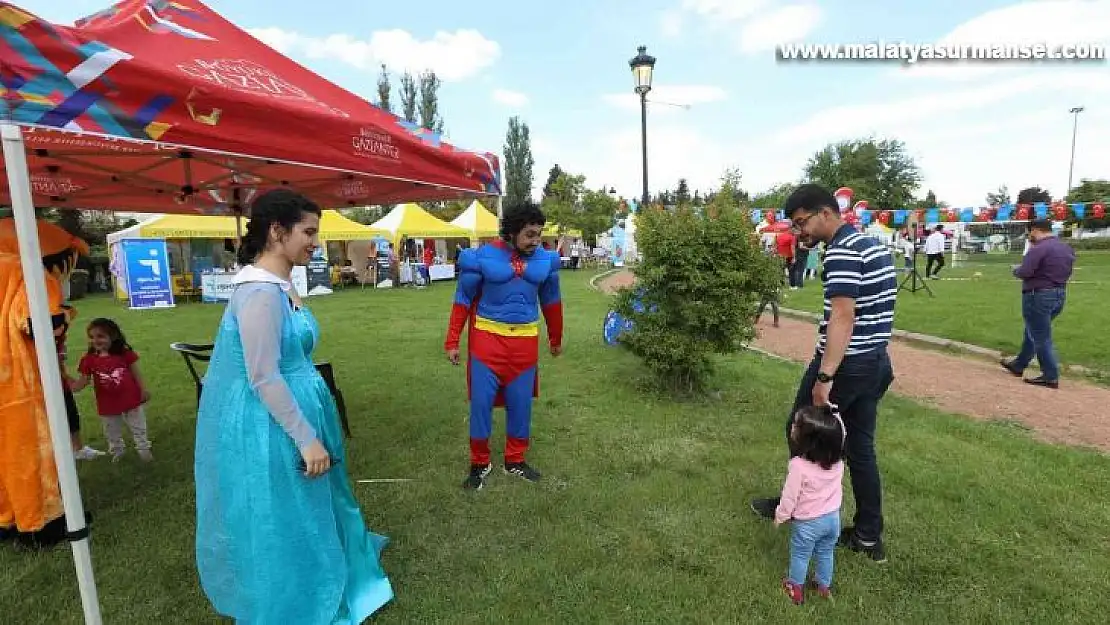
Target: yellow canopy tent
x=409 y=220
x=481 y=223
x=552 y=231
x=333 y=227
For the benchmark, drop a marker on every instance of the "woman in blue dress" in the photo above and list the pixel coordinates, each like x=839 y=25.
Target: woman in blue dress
x=280 y=537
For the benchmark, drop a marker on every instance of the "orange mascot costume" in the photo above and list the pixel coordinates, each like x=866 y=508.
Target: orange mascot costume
x=30 y=498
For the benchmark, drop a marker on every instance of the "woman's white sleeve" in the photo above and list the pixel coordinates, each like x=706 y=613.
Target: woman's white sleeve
x=260 y=319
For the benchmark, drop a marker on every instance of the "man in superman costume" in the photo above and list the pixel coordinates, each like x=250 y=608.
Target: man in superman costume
x=502 y=287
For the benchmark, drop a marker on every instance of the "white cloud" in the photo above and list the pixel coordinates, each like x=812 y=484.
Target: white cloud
x=669 y=98
x=1054 y=23
x=789 y=24
x=506 y=97
x=724 y=10
x=453 y=56
x=968 y=141
x=894 y=116
x=675 y=150
x=763 y=23
x=671 y=23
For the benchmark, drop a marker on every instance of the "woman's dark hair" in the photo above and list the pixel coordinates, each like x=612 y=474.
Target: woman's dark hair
x=519 y=217
x=119 y=344
x=280 y=206
x=820 y=437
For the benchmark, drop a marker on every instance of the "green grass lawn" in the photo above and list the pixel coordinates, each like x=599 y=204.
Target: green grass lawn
x=643 y=516
x=986 y=309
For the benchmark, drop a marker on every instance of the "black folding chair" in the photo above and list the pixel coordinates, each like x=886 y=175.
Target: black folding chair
x=193 y=354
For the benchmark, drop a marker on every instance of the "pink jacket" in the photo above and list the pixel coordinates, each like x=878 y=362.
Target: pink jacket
x=810 y=491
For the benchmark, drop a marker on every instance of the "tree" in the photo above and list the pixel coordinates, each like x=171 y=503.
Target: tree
x=999 y=198
x=880 y=172
x=518 y=162
x=430 y=117
x=773 y=198
x=682 y=193
x=408 y=97
x=385 y=88
x=552 y=176
x=1090 y=191
x=571 y=204
x=731 y=181
x=1033 y=195
x=700 y=280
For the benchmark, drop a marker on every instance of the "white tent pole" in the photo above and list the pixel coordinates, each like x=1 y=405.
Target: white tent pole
x=30 y=253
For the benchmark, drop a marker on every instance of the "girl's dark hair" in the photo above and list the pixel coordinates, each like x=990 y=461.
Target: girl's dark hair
x=820 y=437
x=280 y=206
x=520 y=216
x=119 y=344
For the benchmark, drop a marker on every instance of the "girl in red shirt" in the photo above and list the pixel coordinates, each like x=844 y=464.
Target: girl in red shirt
x=113 y=369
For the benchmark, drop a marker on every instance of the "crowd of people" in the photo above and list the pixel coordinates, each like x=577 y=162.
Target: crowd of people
x=273 y=511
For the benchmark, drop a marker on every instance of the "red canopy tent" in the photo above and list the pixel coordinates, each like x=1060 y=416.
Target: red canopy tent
x=164 y=106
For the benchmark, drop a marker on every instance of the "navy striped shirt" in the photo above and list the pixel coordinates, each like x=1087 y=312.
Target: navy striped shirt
x=860 y=267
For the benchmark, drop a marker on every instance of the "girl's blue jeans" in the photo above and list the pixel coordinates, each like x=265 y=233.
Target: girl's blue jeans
x=814 y=538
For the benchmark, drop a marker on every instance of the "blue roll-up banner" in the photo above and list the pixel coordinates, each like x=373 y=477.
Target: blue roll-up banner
x=932 y=216
x=146 y=265
x=967 y=215
x=1080 y=209
x=1041 y=210
x=1004 y=212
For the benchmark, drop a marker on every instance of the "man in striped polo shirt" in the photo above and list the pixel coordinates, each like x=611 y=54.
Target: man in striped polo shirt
x=851 y=368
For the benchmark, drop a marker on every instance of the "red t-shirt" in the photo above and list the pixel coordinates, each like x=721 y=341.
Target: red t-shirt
x=117 y=390
x=785 y=245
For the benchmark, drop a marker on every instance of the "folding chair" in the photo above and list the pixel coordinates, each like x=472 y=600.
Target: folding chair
x=203 y=353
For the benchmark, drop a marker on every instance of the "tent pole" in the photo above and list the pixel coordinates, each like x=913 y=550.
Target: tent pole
x=30 y=252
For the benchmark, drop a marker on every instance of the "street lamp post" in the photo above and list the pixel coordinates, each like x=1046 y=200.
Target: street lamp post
x=1074 y=128
x=642 y=67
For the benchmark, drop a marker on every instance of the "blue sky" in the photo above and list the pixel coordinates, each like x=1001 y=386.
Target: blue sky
x=564 y=70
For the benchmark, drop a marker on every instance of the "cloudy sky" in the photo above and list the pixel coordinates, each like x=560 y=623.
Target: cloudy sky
x=563 y=67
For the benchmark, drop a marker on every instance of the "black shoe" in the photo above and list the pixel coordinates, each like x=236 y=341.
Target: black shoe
x=1041 y=381
x=477 y=478
x=1009 y=366
x=522 y=470
x=872 y=549
x=765 y=508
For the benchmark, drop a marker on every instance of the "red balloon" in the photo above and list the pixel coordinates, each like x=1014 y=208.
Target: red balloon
x=1099 y=211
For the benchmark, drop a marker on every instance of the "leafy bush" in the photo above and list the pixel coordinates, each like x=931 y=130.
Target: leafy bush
x=1092 y=243
x=700 y=281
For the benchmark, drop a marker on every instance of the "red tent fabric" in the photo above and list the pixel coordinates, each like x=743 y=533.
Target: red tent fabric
x=165 y=106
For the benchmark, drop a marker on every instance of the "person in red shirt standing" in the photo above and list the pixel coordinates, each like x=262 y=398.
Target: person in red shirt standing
x=784 y=247
x=113 y=369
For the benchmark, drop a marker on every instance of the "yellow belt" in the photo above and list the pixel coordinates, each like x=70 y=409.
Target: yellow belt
x=507 y=329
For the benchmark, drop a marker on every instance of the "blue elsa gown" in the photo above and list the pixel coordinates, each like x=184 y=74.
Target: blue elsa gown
x=274 y=547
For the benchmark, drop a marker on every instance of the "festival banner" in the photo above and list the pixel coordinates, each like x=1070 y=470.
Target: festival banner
x=147 y=273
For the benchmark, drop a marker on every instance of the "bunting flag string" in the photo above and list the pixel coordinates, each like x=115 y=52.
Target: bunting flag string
x=860 y=213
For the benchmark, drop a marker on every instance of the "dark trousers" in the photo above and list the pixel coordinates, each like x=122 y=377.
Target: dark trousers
x=797 y=271
x=859 y=385
x=938 y=260
x=774 y=303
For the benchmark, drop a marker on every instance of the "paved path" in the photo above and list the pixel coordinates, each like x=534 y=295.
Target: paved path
x=1075 y=414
